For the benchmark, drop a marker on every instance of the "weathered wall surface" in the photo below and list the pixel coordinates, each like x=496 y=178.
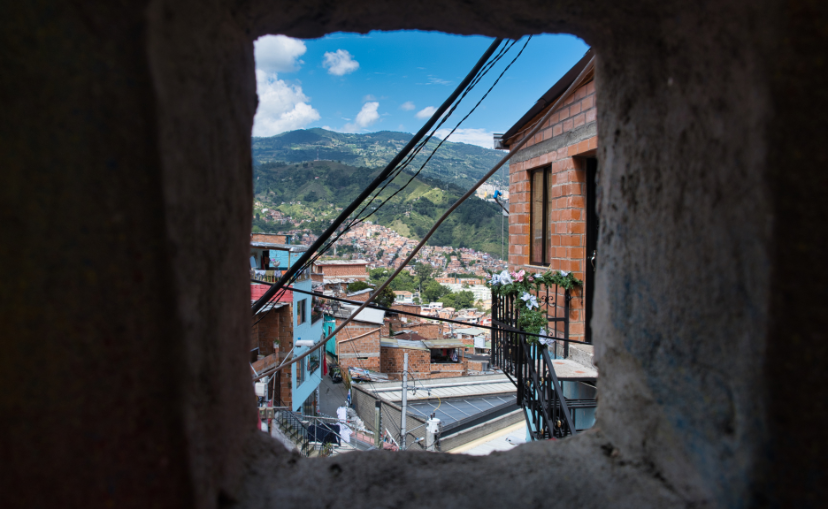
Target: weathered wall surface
x=125 y=147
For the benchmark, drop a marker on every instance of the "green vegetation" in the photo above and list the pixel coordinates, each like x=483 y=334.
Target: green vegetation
x=459 y=300
x=457 y=163
x=309 y=195
x=433 y=291
x=385 y=298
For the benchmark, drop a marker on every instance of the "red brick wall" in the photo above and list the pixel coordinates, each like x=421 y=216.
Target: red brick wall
x=567 y=235
x=392 y=361
x=449 y=370
x=367 y=346
x=344 y=271
x=426 y=330
x=275 y=326
x=362 y=297
x=266 y=237
x=408 y=308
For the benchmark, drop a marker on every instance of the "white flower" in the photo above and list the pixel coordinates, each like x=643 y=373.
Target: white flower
x=530 y=300
x=544 y=339
x=495 y=280
x=564 y=273
x=505 y=278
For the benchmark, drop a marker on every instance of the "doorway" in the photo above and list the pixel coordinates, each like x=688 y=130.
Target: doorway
x=591 y=244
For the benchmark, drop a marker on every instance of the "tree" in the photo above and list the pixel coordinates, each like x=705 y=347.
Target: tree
x=434 y=290
x=378 y=274
x=424 y=272
x=357 y=286
x=459 y=300
x=386 y=297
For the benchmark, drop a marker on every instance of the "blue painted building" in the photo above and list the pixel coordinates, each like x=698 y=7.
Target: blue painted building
x=268 y=261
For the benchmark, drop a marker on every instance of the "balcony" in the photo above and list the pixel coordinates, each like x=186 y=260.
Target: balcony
x=558 y=395
x=273 y=275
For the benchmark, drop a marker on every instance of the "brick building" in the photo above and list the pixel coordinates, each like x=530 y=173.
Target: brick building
x=271 y=238
x=343 y=269
x=552 y=221
x=427 y=358
x=271 y=339
x=393 y=353
x=358 y=344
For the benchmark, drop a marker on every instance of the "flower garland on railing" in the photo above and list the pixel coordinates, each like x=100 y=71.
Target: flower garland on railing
x=521 y=284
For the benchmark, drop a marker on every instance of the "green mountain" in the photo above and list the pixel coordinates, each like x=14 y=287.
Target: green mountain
x=312 y=193
x=457 y=163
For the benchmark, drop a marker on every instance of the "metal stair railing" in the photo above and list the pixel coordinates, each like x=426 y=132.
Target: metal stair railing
x=529 y=366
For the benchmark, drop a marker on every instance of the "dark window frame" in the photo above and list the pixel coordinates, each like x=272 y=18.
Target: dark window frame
x=300 y=311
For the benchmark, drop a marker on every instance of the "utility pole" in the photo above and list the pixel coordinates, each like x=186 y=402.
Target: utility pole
x=404 y=400
x=378 y=424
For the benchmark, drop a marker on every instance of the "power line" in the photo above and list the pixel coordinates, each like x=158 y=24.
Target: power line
x=377 y=181
x=436 y=319
x=451 y=209
x=309 y=260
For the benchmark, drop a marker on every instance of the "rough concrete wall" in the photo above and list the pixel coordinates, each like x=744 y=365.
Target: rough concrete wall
x=127 y=142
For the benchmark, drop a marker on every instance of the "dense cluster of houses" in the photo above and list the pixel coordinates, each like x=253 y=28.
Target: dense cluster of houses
x=371 y=346
x=552 y=225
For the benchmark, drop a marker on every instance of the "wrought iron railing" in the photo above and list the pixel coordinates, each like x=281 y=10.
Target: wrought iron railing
x=297 y=428
x=529 y=365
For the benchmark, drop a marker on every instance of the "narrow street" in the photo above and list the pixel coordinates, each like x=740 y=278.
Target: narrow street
x=331 y=396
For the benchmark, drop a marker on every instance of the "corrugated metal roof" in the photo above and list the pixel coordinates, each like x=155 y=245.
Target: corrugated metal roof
x=403 y=343
x=368 y=315
x=296 y=248
x=449 y=391
x=444 y=343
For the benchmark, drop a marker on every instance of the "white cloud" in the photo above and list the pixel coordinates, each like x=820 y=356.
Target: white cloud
x=339 y=63
x=366 y=116
x=282 y=107
x=407 y=106
x=479 y=137
x=277 y=53
x=369 y=97
x=426 y=112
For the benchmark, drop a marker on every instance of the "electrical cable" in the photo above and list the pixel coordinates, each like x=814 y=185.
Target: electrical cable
x=377 y=181
x=451 y=209
x=436 y=319
x=485 y=69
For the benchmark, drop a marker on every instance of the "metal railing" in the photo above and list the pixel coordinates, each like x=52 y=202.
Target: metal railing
x=529 y=365
x=296 y=427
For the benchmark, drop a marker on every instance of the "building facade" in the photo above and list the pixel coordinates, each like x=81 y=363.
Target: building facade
x=552 y=220
x=291 y=318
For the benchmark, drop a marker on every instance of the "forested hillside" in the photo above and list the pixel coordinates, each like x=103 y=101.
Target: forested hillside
x=308 y=194
x=456 y=163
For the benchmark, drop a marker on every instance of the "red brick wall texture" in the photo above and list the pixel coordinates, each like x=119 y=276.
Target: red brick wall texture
x=567 y=232
x=344 y=271
x=392 y=361
x=363 y=352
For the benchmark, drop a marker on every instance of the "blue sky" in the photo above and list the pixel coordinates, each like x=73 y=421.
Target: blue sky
x=388 y=81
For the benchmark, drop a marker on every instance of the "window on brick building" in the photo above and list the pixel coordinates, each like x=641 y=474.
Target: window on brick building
x=539 y=216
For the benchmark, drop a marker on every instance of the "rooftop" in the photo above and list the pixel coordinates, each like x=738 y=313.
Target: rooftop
x=294 y=248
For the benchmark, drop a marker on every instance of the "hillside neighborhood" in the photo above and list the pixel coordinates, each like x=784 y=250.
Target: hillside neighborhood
x=461 y=347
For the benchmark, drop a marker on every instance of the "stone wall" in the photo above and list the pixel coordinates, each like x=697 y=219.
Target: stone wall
x=126 y=149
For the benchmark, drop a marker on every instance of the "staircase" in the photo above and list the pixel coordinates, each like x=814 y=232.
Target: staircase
x=552 y=392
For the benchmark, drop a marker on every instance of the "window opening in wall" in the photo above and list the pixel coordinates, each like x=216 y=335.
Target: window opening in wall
x=539 y=217
x=300 y=311
x=331 y=113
